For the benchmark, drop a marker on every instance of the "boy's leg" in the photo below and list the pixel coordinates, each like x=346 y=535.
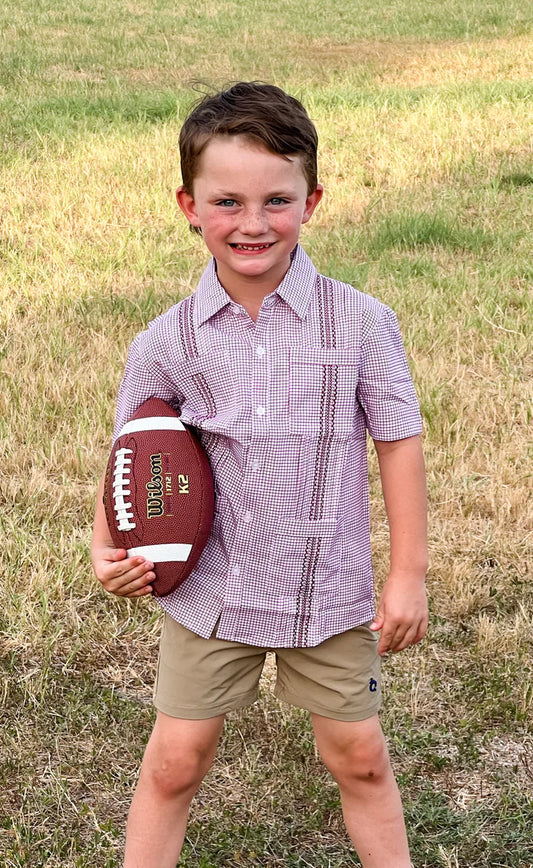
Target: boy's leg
x=177 y=757
x=198 y=682
x=338 y=682
x=356 y=755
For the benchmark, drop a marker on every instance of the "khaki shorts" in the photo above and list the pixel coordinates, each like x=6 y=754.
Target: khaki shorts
x=201 y=678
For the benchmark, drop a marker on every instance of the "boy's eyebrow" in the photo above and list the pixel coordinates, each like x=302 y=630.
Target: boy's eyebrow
x=272 y=194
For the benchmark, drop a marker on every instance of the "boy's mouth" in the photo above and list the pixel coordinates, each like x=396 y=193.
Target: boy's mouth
x=253 y=248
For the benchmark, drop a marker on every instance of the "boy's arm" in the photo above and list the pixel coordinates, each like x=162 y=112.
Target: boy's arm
x=402 y=614
x=120 y=575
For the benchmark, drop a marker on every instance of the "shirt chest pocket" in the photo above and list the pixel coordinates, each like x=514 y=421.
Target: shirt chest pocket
x=211 y=395
x=322 y=395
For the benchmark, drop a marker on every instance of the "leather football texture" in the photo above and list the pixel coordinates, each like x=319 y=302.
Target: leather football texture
x=159 y=493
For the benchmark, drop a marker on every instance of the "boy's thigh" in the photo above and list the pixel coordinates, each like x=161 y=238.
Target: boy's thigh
x=339 y=679
x=202 y=678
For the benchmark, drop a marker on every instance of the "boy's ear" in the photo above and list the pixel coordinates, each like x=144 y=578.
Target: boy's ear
x=187 y=205
x=311 y=202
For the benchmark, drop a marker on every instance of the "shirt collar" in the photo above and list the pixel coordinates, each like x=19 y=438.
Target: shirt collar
x=296 y=287
x=210 y=294
x=298 y=284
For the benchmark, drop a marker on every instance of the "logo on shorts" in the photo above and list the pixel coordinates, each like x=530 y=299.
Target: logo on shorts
x=372 y=685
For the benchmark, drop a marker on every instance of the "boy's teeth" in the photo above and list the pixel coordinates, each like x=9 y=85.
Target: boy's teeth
x=252 y=246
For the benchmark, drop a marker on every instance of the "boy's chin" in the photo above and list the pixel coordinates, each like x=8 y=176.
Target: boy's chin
x=253 y=268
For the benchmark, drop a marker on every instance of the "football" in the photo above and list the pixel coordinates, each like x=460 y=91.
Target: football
x=159 y=493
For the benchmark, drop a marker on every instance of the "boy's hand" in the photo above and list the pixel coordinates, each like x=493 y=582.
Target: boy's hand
x=402 y=614
x=120 y=575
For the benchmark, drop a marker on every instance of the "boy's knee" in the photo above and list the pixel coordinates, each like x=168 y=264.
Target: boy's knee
x=179 y=775
x=178 y=757
x=352 y=757
x=368 y=763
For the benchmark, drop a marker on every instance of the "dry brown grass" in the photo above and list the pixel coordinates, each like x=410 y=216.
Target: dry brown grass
x=409 y=63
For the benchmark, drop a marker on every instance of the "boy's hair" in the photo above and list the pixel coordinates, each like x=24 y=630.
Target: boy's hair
x=263 y=113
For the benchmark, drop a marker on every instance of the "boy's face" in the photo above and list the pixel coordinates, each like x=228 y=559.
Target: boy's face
x=249 y=204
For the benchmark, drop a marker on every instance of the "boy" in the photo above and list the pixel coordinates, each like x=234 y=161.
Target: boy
x=282 y=371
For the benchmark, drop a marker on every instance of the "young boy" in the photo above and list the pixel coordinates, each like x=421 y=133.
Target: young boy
x=282 y=371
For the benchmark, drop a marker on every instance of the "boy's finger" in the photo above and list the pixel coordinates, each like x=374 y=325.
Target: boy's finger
x=129 y=586
x=132 y=567
x=403 y=639
x=143 y=592
x=377 y=623
x=134 y=590
x=134 y=579
x=394 y=639
x=385 y=642
x=117 y=554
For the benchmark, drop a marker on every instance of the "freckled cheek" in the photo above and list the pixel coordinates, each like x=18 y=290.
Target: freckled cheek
x=285 y=225
x=222 y=222
x=217 y=227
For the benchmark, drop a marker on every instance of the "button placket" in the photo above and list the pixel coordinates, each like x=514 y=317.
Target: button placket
x=261 y=370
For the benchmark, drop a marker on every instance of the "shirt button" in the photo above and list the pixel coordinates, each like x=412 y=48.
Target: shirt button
x=260 y=351
x=235 y=308
x=247 y=517
x=235 y=571
x=254 y=464
x=260 y=411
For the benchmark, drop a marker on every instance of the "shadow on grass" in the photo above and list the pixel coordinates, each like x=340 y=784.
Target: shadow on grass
x=517 y=179
x=410 y=231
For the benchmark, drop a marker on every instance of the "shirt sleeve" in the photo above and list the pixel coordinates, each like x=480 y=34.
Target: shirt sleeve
x=385 y=388
x=145 y=376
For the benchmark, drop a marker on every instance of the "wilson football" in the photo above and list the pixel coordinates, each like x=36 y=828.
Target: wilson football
x=159 y=493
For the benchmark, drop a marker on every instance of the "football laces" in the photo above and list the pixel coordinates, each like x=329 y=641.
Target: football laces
x=121 y=479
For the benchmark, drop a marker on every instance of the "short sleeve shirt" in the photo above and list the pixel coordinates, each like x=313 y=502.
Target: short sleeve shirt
x=282 y=406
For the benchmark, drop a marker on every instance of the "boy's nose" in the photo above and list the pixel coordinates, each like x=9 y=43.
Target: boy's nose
x=253 y=222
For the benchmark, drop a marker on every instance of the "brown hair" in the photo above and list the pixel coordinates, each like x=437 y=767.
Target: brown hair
x=260 y=112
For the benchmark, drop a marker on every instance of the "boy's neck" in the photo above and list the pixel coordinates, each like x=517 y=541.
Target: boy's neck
x=249 y=293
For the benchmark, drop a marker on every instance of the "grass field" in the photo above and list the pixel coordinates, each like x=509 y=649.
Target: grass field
x=426 y=123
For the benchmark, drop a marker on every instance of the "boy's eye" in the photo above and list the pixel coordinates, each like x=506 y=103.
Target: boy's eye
x=277 y=200
x=226 y=203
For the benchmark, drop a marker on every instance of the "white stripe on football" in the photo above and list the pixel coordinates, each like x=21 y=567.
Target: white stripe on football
x=152 y=423
x=164 y=552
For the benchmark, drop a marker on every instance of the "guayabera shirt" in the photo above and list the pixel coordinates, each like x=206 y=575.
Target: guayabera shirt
x=282 y=406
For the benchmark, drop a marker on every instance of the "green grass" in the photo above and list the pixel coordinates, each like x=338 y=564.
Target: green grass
x=424 y=118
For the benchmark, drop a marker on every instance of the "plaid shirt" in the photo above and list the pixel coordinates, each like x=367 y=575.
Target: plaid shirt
x=282 y=406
